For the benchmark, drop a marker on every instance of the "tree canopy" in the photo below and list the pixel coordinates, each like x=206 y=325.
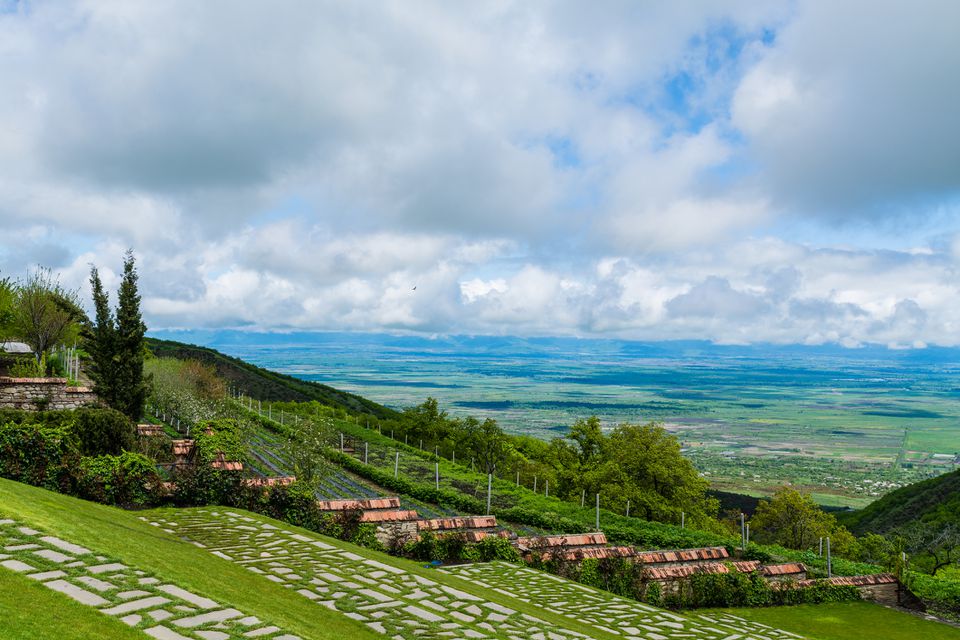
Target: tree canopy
x=792 y=519
x=43 y=313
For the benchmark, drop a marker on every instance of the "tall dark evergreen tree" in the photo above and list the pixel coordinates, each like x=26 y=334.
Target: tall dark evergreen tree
x=116 y=344
x=131 y=388
x=101 y=344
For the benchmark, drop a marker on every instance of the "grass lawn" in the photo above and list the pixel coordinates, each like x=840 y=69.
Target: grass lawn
x=848 y=621
x=27 y=613
x=121 y=535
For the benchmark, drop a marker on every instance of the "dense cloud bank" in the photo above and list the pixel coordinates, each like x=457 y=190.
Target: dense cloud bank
x=728 y=171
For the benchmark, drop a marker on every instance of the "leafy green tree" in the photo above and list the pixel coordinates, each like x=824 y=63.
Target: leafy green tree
x=589 y=438
x=45 y=313
x=937 y=545
x=426 y=422
x=655 y=476
x=488 y=443
x=7 y=296
x=304 y=452
x=794 y=520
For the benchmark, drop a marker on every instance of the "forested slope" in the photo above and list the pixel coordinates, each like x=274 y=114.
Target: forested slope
x=936 y=501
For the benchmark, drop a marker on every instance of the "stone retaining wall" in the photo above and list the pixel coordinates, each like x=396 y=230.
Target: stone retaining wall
x=34 y=394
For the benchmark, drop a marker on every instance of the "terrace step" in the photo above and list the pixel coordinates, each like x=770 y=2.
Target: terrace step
x=679 y=572
x=458 y=523
x=399 y=515
x=681 y=556
x=541 y=543
x=149 y=430
x=367 y=504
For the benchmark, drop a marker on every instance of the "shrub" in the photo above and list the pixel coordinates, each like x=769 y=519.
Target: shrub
x=423 y=548
x=227 y=436
x=98 y=431
x=126 y=480
x=37 y=454
x=653 y=595
x=496 y=548
x=201 y=485
x=103 y=432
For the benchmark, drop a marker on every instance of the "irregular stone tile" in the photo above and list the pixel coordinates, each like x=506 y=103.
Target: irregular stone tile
x=183 y=594
x=80 y=595
x=16 y=565
x=206 y=618
x=136 y=605
x=63 y=545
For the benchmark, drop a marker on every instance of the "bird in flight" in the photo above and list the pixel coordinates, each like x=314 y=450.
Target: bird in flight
x=414 y=288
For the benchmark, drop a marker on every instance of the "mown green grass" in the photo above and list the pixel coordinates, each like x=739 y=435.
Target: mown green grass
x=121 y=535
x=30 y=611
x=848 y=621
x=418 y=568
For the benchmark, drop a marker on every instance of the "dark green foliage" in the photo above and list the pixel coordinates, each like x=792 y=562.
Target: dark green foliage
x=653 y=595
x=496 y=548
x=96 y=431
x=100 y=343
x=7 y=296
x=116 y=344
x=225 y=436
x=103 y=431
x=129 y=479
x=939 y=595
x=131 y=390
x=37 y=454
x=267 y=385
x=201 y=485
x=935 y=501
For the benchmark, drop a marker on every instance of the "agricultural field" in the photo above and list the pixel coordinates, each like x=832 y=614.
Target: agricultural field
x=847 y=425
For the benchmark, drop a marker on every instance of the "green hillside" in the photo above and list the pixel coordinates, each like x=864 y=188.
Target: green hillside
x=936 y=501
x=263 y=384
x=72 y=569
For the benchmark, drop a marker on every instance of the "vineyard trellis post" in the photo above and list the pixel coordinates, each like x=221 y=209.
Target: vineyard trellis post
x=489 y=491
x=829 y=560
x=598 y=512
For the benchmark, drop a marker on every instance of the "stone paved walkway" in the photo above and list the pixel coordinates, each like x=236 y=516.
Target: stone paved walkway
x=620 y=616
x=160 y=609
x=387 y=599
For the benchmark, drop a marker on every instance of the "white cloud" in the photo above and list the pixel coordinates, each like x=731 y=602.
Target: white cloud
x=530 y=167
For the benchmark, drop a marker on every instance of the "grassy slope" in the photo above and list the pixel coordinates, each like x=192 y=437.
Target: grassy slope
x=847 y=621
x=25 y=614
x=263 y=384
x=121 y=534
x=936 y=500
x=420 y=569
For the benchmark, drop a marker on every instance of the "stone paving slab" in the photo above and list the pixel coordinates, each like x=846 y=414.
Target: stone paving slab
x=388 y=599
x=161 y=610
x=620 y=616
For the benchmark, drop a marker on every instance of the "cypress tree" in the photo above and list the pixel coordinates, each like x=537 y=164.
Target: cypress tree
x=131 y=388
x=101 y=344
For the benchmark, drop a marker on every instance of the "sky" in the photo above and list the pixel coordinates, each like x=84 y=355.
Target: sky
x=739 y=172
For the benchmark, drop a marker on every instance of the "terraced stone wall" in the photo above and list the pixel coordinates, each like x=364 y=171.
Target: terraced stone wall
x=36 y=394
